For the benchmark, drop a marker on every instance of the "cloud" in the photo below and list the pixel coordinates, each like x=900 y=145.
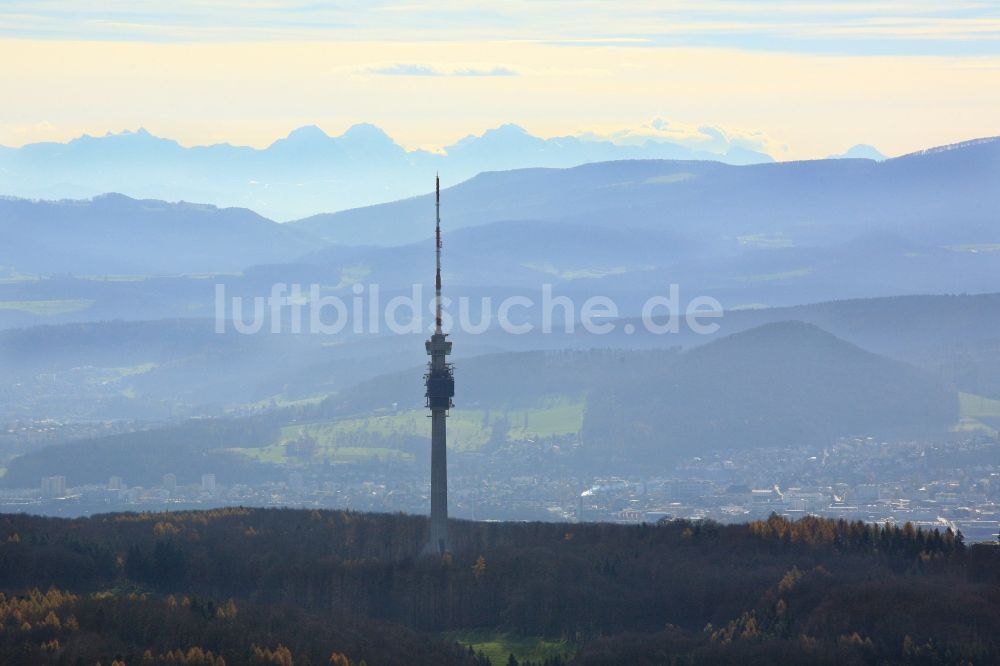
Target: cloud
x=405 y=69
x=493 y=71
x=857 y=27
x=415 y=69
x=709 y=138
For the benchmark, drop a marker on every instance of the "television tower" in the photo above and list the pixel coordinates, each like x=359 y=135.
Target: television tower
x=440 y=382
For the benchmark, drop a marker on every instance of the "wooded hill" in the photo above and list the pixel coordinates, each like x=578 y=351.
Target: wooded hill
x=781 y=384
x=811 y=591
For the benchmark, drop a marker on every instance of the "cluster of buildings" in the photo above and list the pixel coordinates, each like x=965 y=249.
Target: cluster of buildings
x=54 y=496
x=932 y=485
x=949 y=484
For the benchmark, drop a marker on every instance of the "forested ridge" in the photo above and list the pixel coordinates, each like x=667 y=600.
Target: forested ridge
x=304 y=587
x=782 y=384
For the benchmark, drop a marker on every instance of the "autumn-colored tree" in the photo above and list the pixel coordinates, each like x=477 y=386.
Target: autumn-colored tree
x=479 y=568
x=279 y=656
x=338 y=659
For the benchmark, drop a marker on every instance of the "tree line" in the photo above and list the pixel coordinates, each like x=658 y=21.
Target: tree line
x=769 y=587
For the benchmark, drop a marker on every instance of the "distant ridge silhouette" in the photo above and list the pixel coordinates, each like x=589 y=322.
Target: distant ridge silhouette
x=306 y=172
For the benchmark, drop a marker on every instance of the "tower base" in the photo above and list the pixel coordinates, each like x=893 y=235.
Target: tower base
x=435 y=549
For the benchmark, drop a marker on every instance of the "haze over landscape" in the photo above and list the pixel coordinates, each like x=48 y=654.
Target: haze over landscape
x=722 y=281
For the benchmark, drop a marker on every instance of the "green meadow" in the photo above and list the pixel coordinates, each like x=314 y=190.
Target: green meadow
x=498 y=646
x=351 y=439
x=972 y=408
x=48 y=308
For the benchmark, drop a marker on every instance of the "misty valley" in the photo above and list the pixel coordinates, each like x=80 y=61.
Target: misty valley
x=807 y=474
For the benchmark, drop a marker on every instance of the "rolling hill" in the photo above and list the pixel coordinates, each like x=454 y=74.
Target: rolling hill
x=181 y=367
x=940 y=196
x=769 y=234
x=781 y=384
x=116 y=235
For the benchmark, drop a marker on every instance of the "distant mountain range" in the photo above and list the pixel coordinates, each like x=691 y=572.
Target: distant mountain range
x=770 y=234
x=944 y=195
x=861 y=151
x=306 y=172
x=757 y=235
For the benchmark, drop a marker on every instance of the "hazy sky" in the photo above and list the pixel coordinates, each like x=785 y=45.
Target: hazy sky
x=799 y=79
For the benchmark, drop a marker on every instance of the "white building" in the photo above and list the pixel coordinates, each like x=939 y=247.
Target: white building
x=53 y=487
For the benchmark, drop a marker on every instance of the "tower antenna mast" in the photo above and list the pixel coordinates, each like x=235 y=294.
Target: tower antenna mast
x=437 y=244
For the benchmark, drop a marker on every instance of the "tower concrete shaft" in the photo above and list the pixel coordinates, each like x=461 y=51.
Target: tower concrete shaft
x=440 y=383
x=438 y=541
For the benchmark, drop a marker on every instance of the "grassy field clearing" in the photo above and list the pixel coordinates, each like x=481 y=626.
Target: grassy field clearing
x=48 y=308
x=499 y=646
x=972 y=408
x=468 y=430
